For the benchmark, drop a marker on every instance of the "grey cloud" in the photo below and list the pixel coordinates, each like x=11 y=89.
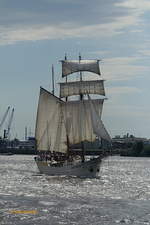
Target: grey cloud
x=27 y=12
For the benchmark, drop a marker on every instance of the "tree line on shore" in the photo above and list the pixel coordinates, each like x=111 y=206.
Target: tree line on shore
x=138 y=149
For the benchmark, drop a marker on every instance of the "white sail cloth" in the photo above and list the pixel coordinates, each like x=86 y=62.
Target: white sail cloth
x=50 y=131
x=82 y=87
x=98 y=126
x=77 y=120
x=77 y=117
x=72 y=66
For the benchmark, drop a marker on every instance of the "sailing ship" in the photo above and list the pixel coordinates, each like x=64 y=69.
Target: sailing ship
x=69 y=126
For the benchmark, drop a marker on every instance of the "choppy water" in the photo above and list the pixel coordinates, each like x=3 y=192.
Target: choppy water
x=120 y=196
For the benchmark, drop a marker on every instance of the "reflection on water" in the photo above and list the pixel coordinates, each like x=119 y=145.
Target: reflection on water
x=121 y=195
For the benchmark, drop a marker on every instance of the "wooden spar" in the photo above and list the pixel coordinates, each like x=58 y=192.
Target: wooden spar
x=66 y=76
x=68 y=150
x=53 y=88
x=80 y=71
x=81 y=98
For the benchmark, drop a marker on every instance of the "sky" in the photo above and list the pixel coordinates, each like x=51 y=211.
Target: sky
x=34 y=34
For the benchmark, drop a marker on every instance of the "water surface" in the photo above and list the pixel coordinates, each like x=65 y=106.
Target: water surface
x=120 y=196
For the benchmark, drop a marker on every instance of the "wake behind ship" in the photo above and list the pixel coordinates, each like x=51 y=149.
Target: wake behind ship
x=63 y=123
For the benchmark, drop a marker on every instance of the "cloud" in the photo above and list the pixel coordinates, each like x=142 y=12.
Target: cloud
x=120 y=95
x=124 y=111
x=53 y=12
x=123 y=90
x=123 y=68
x=63 y=19
x=144 y=52
x=137 y=5
x=120 y=119
x=9 y=35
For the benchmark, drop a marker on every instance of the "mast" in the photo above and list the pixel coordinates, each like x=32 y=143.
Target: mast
x=53 y=80
x=81 y=99
x=68 y=151
x=80 y=71
x=81 y=95
x=66 y=77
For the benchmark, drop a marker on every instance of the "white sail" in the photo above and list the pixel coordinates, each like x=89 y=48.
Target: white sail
x=98 y=126
x=77 y=117
x=49 y=124
x=82 y=87
x=72 y=66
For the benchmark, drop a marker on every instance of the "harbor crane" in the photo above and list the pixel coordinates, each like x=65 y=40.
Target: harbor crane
x=4 y=117
x=7 y=131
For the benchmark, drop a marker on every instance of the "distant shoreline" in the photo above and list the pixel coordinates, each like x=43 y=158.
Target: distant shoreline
x=18 y=151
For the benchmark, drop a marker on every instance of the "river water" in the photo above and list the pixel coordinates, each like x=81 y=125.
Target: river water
x=120 y=196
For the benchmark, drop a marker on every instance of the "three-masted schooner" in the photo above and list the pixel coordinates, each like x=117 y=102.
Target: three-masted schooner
x=66 y=127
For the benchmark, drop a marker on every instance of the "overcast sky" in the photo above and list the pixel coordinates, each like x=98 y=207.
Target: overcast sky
x=36 y=33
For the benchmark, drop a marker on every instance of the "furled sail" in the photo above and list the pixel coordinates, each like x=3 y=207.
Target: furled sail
x=72 y=66
x=82 y=87
x=98 y=126
x=77 y=117
x=50 y=131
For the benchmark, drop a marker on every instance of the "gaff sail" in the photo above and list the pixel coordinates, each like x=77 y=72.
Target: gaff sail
x=49 y=124
x=73 y=66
